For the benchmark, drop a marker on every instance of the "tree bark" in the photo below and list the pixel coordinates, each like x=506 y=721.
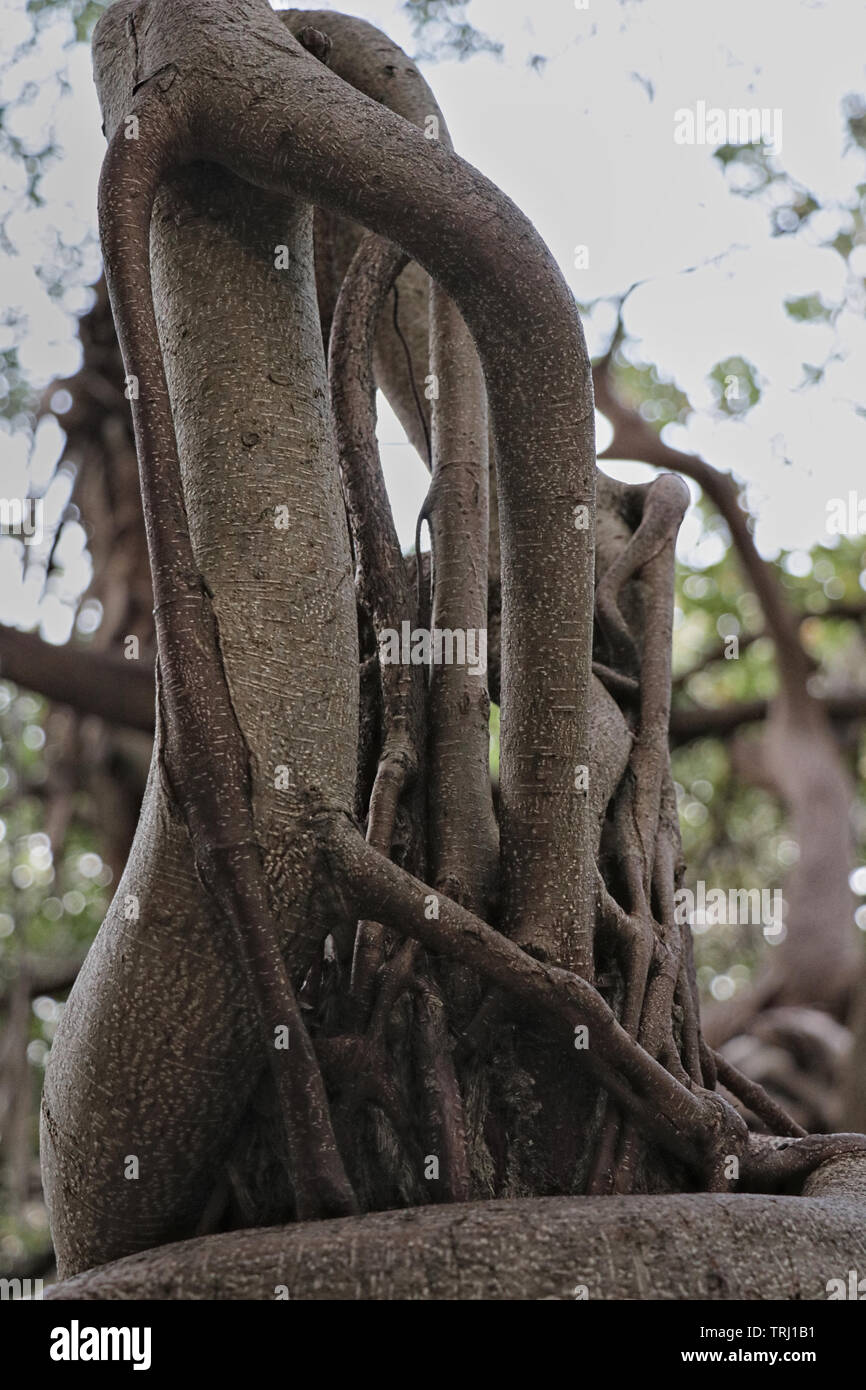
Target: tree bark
x=554 y=1248
x=249 y=868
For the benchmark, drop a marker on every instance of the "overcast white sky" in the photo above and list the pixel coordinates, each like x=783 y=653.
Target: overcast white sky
x=586 y=148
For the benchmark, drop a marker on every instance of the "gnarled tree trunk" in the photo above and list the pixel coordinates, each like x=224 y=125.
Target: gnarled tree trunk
x=313 y=998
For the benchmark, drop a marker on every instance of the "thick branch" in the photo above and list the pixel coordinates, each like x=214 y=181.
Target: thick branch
x=91 y=682
x=194 y=699
x=700 y=721
x=279 y=119
x=463 y=839
x=691 y=1246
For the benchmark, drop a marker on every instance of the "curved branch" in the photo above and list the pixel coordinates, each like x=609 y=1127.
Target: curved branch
x=800 y=758
x=195 y=705
x=633 y=438
x=687 y=1123
x=278 y=119
x=371 y=63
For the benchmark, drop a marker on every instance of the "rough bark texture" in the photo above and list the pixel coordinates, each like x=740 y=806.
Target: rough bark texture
x=696 y=1247
x=284 y=604
x=486 y=1004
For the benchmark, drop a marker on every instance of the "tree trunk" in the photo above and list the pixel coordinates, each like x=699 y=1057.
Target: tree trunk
x=385 y=1013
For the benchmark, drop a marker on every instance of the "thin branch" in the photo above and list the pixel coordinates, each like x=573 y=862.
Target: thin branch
x=684 y=1121
x=755 y=1098
x=634 y=438
x=381 y=579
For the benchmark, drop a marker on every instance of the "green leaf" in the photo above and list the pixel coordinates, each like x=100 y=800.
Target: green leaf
x=808 y=308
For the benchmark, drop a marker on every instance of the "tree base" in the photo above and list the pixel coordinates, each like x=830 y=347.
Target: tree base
x=689 y=1247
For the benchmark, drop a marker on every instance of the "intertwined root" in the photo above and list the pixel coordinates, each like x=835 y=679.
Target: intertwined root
x=589 y=853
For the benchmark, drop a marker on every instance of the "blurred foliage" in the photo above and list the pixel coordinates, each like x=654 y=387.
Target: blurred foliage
x=734 y=835
x=19 y=89
x=31 y=145
x=736 y=385
x=47 y=906
x=442 y=30
x=641 y=386
x=809 y=308
x=794 y=210
x=83 y=14
x=17 y=397
x=50 y=909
